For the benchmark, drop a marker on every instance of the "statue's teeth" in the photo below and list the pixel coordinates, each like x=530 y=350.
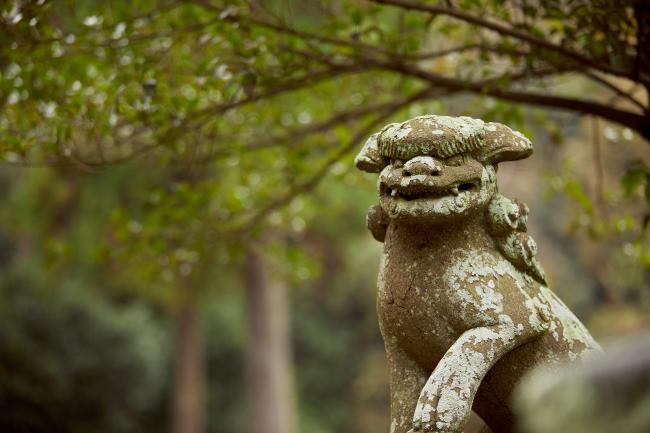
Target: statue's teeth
x=454 y=190
x=393 y=193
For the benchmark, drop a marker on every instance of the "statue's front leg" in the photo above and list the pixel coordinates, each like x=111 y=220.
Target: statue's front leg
x=446 y=400
x=406 y=381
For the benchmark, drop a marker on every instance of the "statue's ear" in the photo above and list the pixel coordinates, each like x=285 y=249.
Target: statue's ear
x=501 y=143
x=369 y=158
x=377 y=222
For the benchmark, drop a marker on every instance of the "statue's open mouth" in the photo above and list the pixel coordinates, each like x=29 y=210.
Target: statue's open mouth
x=421 y=192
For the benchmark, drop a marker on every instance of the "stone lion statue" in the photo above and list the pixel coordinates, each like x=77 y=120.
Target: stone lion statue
x=463 y=304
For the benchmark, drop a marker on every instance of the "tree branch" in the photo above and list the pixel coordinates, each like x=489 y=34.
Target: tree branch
x=569 y=54
x=196 y=118
x=293 y=137
x=616 y=90
x=632 y=120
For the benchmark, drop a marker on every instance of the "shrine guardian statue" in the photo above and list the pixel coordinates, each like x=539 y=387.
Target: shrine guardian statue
x=463 y=303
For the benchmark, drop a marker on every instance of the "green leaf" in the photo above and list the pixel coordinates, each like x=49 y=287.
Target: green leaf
x=634 y=177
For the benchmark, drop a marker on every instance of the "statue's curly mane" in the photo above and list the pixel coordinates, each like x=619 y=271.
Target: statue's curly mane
x=507 y=221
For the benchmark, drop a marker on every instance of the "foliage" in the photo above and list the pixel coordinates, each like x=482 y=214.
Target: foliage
x=637 y=177
x=267 y=102
x=69 y=361
x=240 y=107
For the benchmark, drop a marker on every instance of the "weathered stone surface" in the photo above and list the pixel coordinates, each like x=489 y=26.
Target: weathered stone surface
x=462 y=303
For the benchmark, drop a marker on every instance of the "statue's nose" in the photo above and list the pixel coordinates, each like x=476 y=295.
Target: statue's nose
x=422 y=165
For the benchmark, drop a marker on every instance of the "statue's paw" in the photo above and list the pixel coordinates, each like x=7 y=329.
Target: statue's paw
x=441 y=410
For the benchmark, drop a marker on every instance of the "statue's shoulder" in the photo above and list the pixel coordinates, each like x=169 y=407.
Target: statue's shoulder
x=473 y=288
x=485 y=289
x=478 y=271
x=476 y=266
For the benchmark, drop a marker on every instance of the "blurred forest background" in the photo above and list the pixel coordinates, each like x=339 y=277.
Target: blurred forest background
x=182 y=231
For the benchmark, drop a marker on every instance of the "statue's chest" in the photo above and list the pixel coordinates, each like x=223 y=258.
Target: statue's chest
x=411 y=308
x=409 y=280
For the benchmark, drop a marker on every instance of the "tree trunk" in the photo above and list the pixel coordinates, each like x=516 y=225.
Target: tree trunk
x=270 y=377
x=188 y=393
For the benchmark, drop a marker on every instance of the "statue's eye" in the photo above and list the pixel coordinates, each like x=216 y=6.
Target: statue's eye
x=397 y=163
x=456 y=160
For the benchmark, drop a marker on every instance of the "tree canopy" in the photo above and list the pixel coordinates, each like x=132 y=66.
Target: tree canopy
x=269 y=95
